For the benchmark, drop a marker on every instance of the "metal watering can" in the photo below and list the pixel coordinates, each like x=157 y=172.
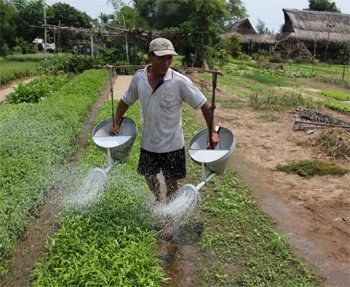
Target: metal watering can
x=119 y=146
x=214 y=160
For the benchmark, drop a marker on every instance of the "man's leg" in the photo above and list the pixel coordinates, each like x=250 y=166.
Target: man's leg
x=154 y=186
x=172 y=187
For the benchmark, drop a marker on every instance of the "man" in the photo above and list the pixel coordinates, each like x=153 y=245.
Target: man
x=162 y=92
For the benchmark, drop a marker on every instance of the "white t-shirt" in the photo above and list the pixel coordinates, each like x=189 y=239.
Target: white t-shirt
x=161 y=109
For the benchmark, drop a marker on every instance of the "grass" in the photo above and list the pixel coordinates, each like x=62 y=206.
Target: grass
x=239 y=244
x=19 y=66
x=267 y=89
x=310 y=168
x=268 y=80
x=37 y=57
x=269 y=117
x=277 y=102
x=332 y=74
x=12 y=70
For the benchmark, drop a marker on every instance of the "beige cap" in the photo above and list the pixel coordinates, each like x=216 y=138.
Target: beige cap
x=162 y=47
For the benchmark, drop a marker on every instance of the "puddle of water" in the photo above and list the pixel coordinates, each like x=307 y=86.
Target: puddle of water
x=179 y=257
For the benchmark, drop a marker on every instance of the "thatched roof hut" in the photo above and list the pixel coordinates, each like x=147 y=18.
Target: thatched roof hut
x=242 y=27
x=304 y=25
x=245 y=31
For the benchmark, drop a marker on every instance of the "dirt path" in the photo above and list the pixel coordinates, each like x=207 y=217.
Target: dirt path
x=313 y=213
x=121 y=84
x=9 y=88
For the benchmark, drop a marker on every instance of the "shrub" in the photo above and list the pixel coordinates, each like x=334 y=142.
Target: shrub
x=71 y=63
x=37 y=89
x=276 y=59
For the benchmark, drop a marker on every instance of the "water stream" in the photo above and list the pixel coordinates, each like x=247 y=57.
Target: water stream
x=92 y=185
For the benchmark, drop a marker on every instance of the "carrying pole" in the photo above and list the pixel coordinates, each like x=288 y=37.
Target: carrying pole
x=110 y=70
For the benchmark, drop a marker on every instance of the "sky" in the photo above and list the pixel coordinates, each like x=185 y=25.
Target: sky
x=269 y=11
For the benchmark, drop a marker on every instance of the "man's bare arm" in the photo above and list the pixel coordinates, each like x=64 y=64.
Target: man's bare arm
x=208 y=116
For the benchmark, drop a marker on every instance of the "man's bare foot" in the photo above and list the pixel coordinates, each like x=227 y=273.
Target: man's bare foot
x=167 y=231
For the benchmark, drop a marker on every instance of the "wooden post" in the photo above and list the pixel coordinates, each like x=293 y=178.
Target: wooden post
x=92 y=44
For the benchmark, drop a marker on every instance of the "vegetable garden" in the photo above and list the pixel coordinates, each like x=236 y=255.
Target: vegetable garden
x=112 y=242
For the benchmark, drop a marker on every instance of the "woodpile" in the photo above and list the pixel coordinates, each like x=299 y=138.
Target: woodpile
x=310 y=120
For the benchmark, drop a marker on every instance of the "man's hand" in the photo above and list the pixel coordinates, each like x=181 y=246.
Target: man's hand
x=114 y=129
x=215 y=140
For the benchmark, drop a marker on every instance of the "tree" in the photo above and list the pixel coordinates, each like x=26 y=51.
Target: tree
x=29 y=13
x=330 y=25
x=323 y=5
x=131 y=17
x=261 y=27
x=8 y=27
x=345 y=55
x=198 y=21
x=66 y=15
x=236 y=11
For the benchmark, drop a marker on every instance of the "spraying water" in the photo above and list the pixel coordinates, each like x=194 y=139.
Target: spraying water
x=93 y=184
x=179 y=207
x=90 y=188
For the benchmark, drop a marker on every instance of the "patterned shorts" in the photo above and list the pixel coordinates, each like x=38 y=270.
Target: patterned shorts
x=172 y=164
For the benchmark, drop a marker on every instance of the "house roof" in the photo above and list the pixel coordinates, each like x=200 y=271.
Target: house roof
x=245 y=31
x=316 y=26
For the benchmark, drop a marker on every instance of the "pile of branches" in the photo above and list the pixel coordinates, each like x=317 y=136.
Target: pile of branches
x=316 y=117
x=310 y=120
x=335 y=142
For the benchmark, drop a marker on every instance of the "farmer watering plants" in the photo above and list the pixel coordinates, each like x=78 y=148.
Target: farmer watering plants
x=162 y=91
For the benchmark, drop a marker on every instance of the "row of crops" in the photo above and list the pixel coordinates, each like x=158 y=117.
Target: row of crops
x=110 y=243
x=34 y=140
x=20 y=66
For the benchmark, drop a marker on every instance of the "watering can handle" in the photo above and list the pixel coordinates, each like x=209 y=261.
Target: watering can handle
x=212 y=108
